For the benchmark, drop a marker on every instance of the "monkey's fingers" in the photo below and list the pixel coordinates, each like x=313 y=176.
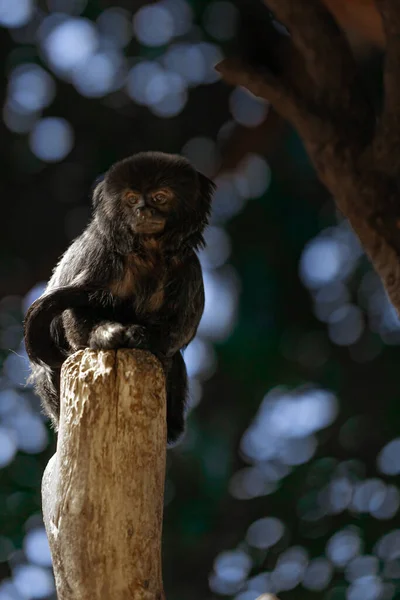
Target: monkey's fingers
x=137 y=337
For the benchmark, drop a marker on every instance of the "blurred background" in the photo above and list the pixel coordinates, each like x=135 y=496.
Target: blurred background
x=287 y=480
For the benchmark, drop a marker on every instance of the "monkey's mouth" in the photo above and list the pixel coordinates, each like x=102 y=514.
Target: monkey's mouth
x=149 y=226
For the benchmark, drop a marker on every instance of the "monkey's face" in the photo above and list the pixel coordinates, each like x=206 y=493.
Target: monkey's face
x=148 y=209
x=155 y=194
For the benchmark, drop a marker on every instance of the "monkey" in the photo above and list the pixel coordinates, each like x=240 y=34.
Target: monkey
x=132 y=279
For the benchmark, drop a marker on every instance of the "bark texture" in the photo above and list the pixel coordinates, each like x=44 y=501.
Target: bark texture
x=355 y=151
x=103 y=489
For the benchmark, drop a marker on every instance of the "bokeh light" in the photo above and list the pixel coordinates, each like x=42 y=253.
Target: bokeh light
x=284 y=417
x=30 y=88
x=344 y=546
x=200 y=359
x=346 y=325
x=253 y=176
x=33 y=581
x=369 y=587
x=68 y=42
x=164 y=92
x=227 y=200
x=362 y=566
x=51 y=139
x=203 y=154
x=188 y=61
x=221 y=304
x=8 y=446
x=322 y=262
x=217 y=249
x=230 y=570
x=16 y=120
x=153 y=25
x=182 y=15
x=251 y=482
x=115 y=27
x=290 y=569
x=389 y=458
x=36 y=547
x=15 y=14
x=99 y=74
x=318 y=574
x=265 y=533
x=246 y=109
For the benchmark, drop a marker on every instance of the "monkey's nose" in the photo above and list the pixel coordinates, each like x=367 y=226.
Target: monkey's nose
x=144 y=212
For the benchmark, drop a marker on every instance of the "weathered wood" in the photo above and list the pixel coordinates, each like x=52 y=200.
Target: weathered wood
x=103 y=489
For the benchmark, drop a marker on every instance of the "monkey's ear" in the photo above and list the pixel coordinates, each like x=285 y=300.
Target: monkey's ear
x=206 y=190
x=97 y=194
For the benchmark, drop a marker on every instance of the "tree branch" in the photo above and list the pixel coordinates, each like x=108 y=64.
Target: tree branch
x=260 y=81
x=357 y=162
x=318 y=38
x=388 y=139
x=103 y=489
x=360 y=20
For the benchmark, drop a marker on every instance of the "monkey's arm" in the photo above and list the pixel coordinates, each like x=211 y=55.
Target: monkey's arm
x=184 y=308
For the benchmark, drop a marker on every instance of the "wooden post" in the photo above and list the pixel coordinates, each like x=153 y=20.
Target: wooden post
x=103 y=490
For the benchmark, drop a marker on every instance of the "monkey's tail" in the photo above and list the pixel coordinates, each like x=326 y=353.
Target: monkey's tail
x=39 y=343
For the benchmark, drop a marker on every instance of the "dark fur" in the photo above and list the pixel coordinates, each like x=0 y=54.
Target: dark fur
x=115 y=288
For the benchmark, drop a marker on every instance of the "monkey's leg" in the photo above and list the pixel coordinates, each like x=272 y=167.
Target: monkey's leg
x=176 y=397
x=46 y=383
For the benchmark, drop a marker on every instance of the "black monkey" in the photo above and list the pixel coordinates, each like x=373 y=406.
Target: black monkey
x=131 y=280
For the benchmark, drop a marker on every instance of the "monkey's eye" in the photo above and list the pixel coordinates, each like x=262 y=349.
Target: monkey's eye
x=131 y=197
x=160 y=197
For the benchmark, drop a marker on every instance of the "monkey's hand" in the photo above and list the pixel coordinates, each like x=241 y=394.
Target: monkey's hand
x=109 y=335
x=137 y=336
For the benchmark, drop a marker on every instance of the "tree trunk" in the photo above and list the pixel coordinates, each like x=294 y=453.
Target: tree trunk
x=103 y=489
x=312 y=80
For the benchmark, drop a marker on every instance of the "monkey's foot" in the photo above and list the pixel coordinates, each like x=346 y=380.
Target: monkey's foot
x=111 y=336
x=107 y=336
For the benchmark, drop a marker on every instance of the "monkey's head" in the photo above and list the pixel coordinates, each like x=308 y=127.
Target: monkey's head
x=153 y=195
